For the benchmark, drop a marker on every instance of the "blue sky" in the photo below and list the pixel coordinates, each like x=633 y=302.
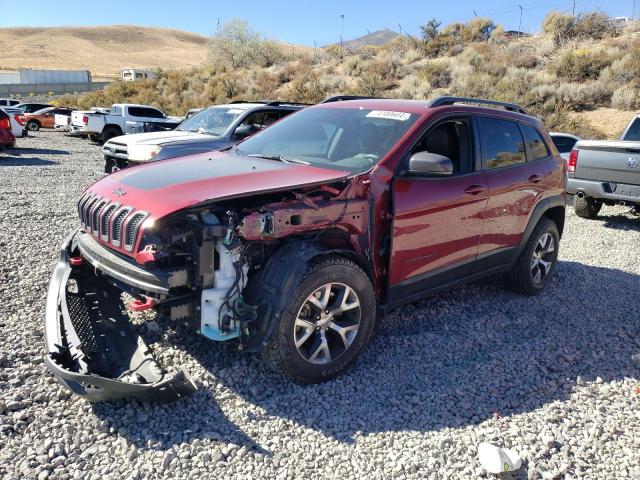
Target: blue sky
x=300 y=21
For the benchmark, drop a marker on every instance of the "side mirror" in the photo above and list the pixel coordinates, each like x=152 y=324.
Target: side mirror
x=243 y=131
x=425 y=163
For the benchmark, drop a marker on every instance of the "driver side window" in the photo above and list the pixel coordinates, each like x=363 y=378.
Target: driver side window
x=452 y=139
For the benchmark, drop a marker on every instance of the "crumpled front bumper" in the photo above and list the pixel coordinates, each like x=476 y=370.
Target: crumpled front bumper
x=92 y=347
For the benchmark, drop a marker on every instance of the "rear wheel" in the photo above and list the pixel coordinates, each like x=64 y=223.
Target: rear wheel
x=328 y=323
x=108 y=165
x=536 y=264
x=109 y=132
x=33 y=125
x=586 y=207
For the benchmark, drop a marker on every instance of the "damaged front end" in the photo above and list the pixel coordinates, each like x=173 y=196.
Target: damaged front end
x=225 y=268
x=92 y=347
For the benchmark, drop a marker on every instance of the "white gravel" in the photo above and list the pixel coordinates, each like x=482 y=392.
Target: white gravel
x=553 y=377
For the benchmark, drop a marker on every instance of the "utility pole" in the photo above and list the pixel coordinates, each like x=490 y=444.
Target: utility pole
x=475 y=14
x=573 y=11
x=520 y=22
x=368 y=36
x=341 y=29
x=633 y=10
x=400 y=27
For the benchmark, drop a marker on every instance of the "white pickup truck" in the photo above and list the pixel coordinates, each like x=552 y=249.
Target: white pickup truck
x=125 y=118
x=79 y=123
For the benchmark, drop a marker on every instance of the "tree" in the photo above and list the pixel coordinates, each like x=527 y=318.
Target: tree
x=430 y=30
x=237 y=45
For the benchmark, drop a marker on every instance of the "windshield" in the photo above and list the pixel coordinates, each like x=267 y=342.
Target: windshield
x=352 y=139
x=212 y=120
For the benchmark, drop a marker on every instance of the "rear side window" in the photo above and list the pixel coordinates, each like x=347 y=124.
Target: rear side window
x=537 y=148
x=633 y=133
x=145 y=112
x=564 y=144
x=501 y=143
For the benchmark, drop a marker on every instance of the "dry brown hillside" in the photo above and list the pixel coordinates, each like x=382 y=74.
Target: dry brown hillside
x=102 y=50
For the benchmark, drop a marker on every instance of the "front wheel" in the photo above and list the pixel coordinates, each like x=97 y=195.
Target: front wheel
x=33 y=126
x=328 y=323
x=534 y=269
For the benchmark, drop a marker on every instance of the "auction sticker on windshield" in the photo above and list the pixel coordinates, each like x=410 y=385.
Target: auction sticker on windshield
x=402 y=116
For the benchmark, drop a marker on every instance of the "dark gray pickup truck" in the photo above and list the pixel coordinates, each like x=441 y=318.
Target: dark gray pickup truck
x=605 y=172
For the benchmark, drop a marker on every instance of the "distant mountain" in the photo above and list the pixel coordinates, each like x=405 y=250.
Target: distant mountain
x=379 y=37
x=102 y=50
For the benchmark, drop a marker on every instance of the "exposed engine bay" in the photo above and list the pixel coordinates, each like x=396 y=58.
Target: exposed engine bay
x=215 y=267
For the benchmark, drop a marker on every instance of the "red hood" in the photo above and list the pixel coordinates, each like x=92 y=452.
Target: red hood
x=167 y=186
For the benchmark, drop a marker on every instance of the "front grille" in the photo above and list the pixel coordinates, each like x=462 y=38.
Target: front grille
x=110 y=222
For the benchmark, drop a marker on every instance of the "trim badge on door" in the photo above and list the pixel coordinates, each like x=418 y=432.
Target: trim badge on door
x=633 y=162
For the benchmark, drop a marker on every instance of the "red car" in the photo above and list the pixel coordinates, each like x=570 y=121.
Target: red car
x=297 y=240
x=7 y=139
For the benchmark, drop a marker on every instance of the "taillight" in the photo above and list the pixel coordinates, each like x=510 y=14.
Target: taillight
x=5 y=123
x=573 y=161
x=85 y=119
x=20 y=119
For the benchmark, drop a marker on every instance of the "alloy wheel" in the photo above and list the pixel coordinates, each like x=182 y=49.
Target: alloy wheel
x=543 y=257
x=327 y=323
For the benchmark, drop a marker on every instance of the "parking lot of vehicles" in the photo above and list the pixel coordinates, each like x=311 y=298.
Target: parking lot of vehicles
x=605 y=172
x=45 y=118
x=7 y=138
x=290 y=244
x=212 y=128
x=123 y=119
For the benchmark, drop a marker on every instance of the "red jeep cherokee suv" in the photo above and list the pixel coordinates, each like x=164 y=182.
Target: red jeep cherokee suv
x=295 y=241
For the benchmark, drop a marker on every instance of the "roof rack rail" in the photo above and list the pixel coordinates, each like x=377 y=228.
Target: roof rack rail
x=277 y=103
x=342 y=98
x=246 y=101
x=512 y=107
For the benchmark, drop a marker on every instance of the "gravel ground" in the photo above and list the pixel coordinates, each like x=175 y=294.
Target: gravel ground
x=554 y=377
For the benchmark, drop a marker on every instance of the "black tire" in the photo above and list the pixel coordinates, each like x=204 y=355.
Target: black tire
x=586 y=207
x=108 y=165
x=33 y=125
x=109 y=132
x=521 y=278
x=281 y=351
x=94 y=137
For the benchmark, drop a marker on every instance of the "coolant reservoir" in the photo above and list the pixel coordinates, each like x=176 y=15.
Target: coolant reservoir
x=213 y=298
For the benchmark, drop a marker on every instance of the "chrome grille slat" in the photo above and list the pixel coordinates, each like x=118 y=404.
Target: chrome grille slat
x=131 y=229
x=95 y=214
x=86 y=220
x=81 y=205
x=116 y=227
x=105 y=216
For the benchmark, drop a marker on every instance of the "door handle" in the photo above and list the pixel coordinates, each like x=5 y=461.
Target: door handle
x=474 y=189
x=535 y=178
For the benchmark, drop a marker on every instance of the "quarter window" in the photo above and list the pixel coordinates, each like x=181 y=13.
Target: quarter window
x=564 y=144
x=145 y=112
x=535 y=143
x=501 y=143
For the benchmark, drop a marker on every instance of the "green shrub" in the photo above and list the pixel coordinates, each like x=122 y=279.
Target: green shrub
x=563 y=27
x=626 y=98
x=437 y=74
x=580 y=65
